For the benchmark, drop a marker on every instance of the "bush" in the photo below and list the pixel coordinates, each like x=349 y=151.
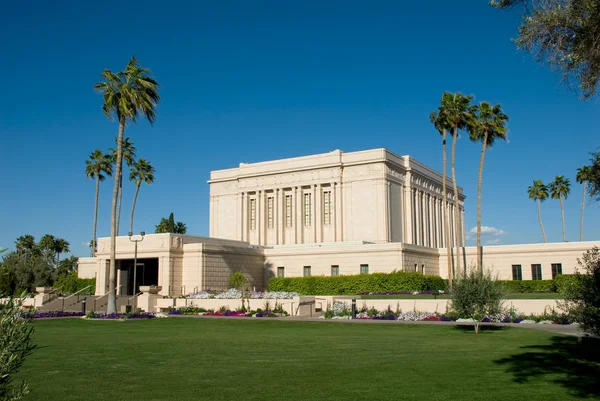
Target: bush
x=237 y=280
x=356 y=284
x=477 y=294
x=70 y=284
x=564 y=282
x=529 y=286
x=582 y=295
x=15 y=345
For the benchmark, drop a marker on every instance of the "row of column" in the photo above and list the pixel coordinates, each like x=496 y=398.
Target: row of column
x=427 y=221
x=298 y=232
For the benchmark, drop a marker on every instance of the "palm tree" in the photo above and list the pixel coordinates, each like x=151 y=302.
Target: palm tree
x=539 y=193
x=98 y=165
x=127 y=94
x=584 y=175
x=127 y=154
x=458 y=113
x=46 y=244
x=489 y=125
x=61 y=245
x=441 y=125
x=142 y=171
x=25 y=244
x=560 y=189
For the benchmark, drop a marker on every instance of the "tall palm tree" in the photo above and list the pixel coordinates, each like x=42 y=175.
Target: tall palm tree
x=584 y=175
x=459 y=113
x=128 y=155
x=61 y=245
x=488 y=126
x=539 y=193
x=46 y=244
x=127 y=94
x=96 y=167
x=560 y=189
x=441 y=125
x=24 y=244
x=142 y=171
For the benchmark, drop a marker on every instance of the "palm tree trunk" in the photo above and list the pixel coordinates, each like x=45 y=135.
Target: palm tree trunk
x=445 y=211
x=137 y=190
x=562 y=213
x=95 y=216
x=120 y=198
x=456 y=199
x=112 y=272
x=539 y=203
x=582 y=210
x=479 y=182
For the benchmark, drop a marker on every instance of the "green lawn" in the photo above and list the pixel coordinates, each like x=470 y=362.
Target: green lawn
x=528 y=295
x=249 y=359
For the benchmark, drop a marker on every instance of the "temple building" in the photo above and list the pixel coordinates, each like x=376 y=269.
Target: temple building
x=327 y=214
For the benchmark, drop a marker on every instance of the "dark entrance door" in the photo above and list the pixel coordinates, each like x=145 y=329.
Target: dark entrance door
x=147 y=273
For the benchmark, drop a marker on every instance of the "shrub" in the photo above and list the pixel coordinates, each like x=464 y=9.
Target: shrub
x=237 y=280
x=356 y=284
x=435 y=283
x=529 y=286
x=477 y=294
x=70 y=284
x=564 y=282
x=582 y=296
x=15 y=345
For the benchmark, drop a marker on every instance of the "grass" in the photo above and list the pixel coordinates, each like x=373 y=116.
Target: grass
x=529 y=295
x=248 y=359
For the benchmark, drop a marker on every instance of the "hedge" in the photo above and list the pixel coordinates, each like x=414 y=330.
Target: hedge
x=564 y=281
x=352 y=285
x=70 y=284
x=529 y=286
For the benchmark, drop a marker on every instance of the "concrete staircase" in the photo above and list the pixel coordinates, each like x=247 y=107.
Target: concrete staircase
x=94 y=303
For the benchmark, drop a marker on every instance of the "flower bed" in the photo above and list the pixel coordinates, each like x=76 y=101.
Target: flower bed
x=405 y=293
x=121 y=316
x=242 y=312
x=233 y=293
x=50 y=314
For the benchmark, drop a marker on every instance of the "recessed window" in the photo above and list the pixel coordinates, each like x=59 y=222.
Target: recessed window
x=335 y=270
x=517 y=272
x=364 y=269
x=416 y=267
x=307 y=209
x=307 y=271
x=288 y=210
x=281 y=272
x=556 y=269
x=252 y=214
x=422 y=269
x=327 y=208
x=536 y=272
x=270 y=212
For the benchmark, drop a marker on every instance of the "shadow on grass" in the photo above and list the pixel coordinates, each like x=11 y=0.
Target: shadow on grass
x=569 y=362
x=482 y=328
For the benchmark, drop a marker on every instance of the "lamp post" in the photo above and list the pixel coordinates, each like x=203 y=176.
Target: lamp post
x=135 y=265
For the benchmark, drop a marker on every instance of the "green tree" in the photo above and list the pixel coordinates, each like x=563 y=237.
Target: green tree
x=170 y=226
x=47 y=246
x=564 y=35
x=441 y=125
x=476 y=294
x=16 y=344
x=142 y=171
x=559 y=189
x=98 y=165
x=488 y=126
x=458 y=113
x=127 y=155
x=539 y=193
x=61 y=245
x=594 y=182
x=584 y=175
x=127 y=94
x=25 y=244
x=582 y=297
x=67 y=266
x=237 y=280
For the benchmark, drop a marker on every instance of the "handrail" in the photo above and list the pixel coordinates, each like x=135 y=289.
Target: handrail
x=136 y=295
x=54 y=291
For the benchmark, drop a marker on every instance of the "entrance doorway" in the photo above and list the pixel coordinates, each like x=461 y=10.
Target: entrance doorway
x=147 y=274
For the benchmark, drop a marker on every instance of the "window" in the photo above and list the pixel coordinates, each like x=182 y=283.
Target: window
x=288 y=210
x=281 y=272
x=306 y=271
x=422 y=269
x=536 y=272
x=556 y=269
x=327 y=208
x=307 y=208
x=335 y=270
x=364 y=269
x=252 y=214
x=416 y=267
x=270 y=212
x=517 y=273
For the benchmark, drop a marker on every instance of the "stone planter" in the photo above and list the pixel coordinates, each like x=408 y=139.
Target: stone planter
x=150 y=289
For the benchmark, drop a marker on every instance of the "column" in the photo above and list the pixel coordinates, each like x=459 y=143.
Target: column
x=387 y=211
x=298 y=213
x=245 y=216
x=442 y=207
x=430 y=213
x=464 y=233
x=280 y=222
x=318 y=215
x=407 y=216
x=418 y=217
x=259 y=218
x=426 y=228
x=337 y=206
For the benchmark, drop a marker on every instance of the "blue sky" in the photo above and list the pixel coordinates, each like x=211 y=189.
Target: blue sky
x=251 y=81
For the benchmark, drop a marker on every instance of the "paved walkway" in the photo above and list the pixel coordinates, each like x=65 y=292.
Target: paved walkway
x=569 y=330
